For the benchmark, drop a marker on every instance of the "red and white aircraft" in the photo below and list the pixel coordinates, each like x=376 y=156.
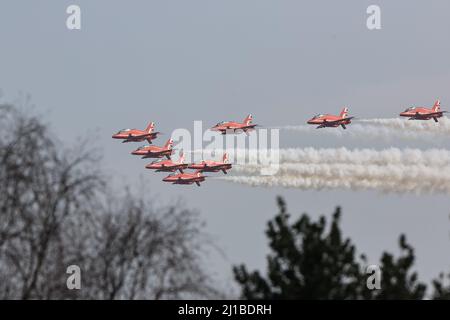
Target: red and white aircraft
x=168 y=165
x=328 y=120
x=422 y=113
x=232 y=127
x=185 y=178
x=212 y=166
x=155 y=151
x=135 y=135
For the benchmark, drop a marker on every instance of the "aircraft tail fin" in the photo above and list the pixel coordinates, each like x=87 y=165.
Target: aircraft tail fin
x=169 y=144
x=437 y=106
x=248 y=120
x=150 y=127
x=344 y=113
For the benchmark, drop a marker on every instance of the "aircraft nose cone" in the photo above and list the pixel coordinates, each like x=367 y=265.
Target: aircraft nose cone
x=135 y=152
x=166 y=179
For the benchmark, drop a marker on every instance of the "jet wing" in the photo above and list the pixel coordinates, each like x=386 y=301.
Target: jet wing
x=146 y=135
x=250 y=126
x=334 y=122
x=439 y=113
x=432 y=114
x=173 y=166
x=338 y=121
x=222 y=129
x=216 y=166
x=229 y=128
x=149 y=154
x=141 y=136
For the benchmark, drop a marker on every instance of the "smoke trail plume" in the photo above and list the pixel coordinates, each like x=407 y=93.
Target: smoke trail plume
x=441 y=127
x=430 y=157
x=390 y=170
x=420 y=185
x=408 y=156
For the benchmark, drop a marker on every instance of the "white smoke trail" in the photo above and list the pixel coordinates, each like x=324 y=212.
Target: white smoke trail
x=441 y=127
x=408 y=156
x=430 y=157
x=364 y=172
x=358 y=131
x=420 y=185
x=390 y=170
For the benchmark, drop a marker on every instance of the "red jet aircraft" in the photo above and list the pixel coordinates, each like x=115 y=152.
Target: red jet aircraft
x=135 y=135
x=154 y=151
x=328 y=120
x=185 y=178
x=168 y=165
x=231 y=126
x=212 y=166
x=422 y=113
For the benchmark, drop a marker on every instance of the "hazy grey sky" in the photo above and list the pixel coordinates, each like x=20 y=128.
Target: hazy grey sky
x=174 y=62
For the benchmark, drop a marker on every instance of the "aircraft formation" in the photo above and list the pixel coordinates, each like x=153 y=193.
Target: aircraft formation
x=168 y=165
x=226 y=127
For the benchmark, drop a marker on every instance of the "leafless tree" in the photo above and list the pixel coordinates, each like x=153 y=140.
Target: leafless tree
x=54 y=212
